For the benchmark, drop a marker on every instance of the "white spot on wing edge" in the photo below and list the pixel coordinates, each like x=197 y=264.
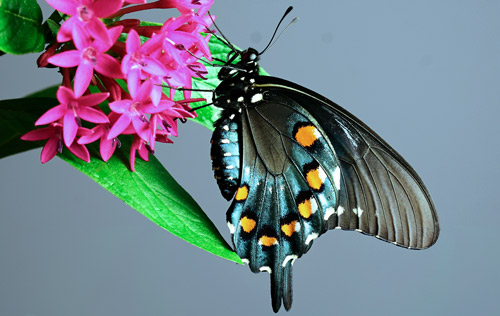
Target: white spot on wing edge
x=231 y=227
x=340 y=210
x=311 y=237
x=329 y=212
x=288 y=258
x=266 y=268
x=245 y=261
x=336 y=178
x=256 y=98
x=360 y=212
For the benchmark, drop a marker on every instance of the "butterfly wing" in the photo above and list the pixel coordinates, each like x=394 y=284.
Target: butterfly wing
x=306 y=166
x=380 y=193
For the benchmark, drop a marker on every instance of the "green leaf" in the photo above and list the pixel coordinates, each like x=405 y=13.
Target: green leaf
x=49 y=92
x=153 y=192
x=21 y=27
x=17 y=117
x=150 y=190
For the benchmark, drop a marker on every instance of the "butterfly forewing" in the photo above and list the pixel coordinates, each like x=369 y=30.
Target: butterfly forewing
x=381 y=194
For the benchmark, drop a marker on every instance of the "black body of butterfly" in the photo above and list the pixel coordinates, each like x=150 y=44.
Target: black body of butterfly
x=296 y=164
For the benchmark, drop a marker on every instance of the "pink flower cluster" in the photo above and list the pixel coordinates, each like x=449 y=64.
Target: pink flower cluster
x=90 y=54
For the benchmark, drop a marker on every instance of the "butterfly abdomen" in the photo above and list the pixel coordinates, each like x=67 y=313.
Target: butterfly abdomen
x=225 y=153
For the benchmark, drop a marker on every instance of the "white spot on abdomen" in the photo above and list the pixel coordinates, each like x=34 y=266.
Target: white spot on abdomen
x=231 y=227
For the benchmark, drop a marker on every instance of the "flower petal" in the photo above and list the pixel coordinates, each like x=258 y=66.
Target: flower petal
x=142 y=128
x=69 y=128
x=120 y=106
x=80 y=151
x=92 y=99
x=154 y=67
x=83 y=76
x=50 y=149
x=99 y=32
x=107 y=148
x=65 y=95
x=65 y=6
x=133 y=80
x=92 y=115
x=39 y=134
x=144 y=91
x=108 y=66
x=133 y=41
x=67 y=59
x=52 y=115
x=104 y=8
x=81 y=37
x=95 y=133
x=120 y=125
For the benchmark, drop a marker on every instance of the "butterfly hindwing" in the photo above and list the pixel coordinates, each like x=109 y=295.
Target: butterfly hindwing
x=289 y=187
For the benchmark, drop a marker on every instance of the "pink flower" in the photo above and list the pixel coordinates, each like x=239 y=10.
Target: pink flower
x=138 y=60
x=86 y=14
x=72 y=109
x=89 y=56
x=138 y=145
x=54 y=143
x=133 y=111
x=187 y=6
x=107 y=146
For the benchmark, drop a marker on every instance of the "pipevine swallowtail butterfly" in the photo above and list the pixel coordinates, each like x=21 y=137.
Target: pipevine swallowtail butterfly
x=296 y=164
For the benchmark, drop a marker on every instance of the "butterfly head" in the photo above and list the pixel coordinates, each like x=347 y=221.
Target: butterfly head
x=237 y=87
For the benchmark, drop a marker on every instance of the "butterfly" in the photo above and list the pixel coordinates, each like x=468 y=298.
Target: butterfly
x=296 y=164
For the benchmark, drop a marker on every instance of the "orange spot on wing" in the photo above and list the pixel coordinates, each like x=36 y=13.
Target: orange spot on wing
x=306 y=135
x=242 y=193
x=289 y=229
x=313 y=179
x=267 y=241
x=305 y=208
x=247 y=224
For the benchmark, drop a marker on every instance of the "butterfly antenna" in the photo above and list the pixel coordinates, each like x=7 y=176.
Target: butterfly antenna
x=200 y=107
x=224 y=40
x=290 y=8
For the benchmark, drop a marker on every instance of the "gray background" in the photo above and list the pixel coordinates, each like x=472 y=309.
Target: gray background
x=423 y=74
